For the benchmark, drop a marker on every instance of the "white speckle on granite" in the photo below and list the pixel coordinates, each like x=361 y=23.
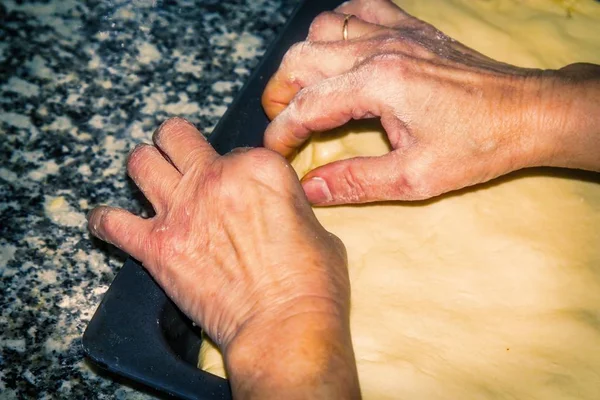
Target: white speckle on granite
x=62 y=7
x=60 y=123
x=62 y=213
x=247 y=47
x=116 y=166
x=147 y=53
x=106 y=84
x=10 y=204
x=32 y=331
x=242 y=71
x=48 y=168
x=188 y=64
x=56 y=345
x=124 y=13
x=222 y=86
x=153 y=102
x=102 y=35
x=223 y=38
x=29 y=377
x=16 y=120
x=183 y=106
x=97 y=121
x=77 y=299
x=48 y=277
x=84 y=170
x=65 y=388
x=138 y=132
x=42 y=111
x=7 y=175
x=15 y=344
x=113 y=145
x=17 y=85
x=80 y=136
x=94 y=261
x=73 y=99
x=219 y=110
x=70 y=77
x=36 y=156
x=95 y=61
x=37 y=67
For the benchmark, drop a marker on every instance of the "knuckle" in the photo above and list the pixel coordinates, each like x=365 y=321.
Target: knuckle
x=296 y=53
x=355 y=187
x=293 y=51
x=137 y=158
x=267 y=159
x=267 y=166
x=168 y=245
x=299 y=101
x=301 y=108
x=339 y=246
x=322 y=23
x=389 y=60
x=170 y=127
x=109 y=224
x=388 y=67
x=415 y=183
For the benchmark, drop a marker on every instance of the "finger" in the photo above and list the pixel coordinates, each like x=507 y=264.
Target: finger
x=380 y=12
x=323 y=56
x=121 y=228
x=361 y=180
x=153 y=174
x=183 y=144
x=321 y=107
x=303 y=66
x=329 y=27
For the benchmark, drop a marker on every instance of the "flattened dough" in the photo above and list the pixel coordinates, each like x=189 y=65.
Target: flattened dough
x=491 y=292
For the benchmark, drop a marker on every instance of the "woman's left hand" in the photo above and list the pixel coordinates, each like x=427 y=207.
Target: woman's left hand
x=236 y=245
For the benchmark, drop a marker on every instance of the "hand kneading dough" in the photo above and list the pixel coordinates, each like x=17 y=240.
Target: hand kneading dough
x=491 y=292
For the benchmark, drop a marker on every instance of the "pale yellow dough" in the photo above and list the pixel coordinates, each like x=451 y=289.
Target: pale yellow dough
x=492 y=292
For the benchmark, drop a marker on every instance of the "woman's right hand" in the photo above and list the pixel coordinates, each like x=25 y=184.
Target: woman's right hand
x=454 y=117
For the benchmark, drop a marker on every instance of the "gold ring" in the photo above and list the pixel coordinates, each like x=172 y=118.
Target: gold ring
x=346 y=23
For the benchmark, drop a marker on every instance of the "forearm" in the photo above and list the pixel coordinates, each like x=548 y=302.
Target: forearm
x=570 y=118
x=305 y=356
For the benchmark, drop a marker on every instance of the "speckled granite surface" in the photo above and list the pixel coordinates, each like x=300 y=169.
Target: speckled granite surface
x=81 y=82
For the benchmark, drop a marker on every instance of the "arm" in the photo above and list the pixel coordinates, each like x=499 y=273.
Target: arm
x=303 y=356
x=573 y=110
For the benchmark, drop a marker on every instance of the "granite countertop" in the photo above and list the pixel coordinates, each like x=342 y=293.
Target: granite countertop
x=81 y=82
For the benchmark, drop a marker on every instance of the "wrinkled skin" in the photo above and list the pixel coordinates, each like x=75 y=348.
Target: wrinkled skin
x=235 y=244
x=453 y=116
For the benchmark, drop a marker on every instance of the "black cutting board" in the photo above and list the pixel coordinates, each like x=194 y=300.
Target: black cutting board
x=137 y=332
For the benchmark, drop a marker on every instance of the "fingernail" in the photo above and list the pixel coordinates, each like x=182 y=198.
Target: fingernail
x=317 y=191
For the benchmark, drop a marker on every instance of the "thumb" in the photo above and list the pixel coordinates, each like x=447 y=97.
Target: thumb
x=360 y=180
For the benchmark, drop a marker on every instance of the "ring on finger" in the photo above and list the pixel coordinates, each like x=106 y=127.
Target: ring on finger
x=345 y=27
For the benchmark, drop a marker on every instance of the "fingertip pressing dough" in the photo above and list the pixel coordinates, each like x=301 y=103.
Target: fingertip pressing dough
x=488 y=293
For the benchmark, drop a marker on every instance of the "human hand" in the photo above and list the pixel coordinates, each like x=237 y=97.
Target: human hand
x=453 y=116
x=238 y=248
